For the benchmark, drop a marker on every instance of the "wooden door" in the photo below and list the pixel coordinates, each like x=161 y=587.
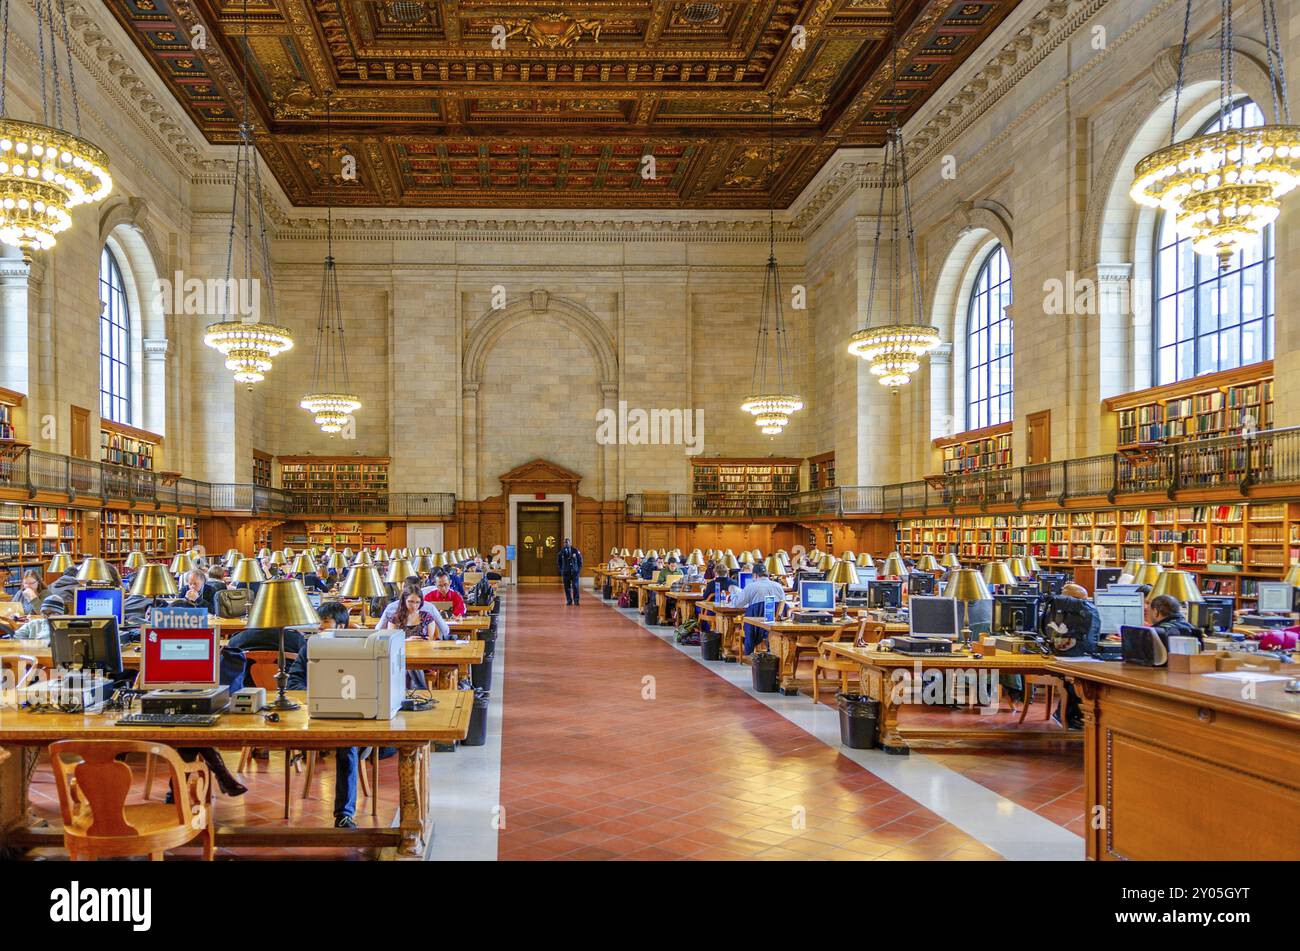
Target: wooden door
x=80 y=433
x=1039 y=444
x=541 y=527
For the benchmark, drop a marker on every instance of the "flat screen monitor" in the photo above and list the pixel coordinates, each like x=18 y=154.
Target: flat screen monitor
x=1224 y=607
x=920 y=583
x=1274 y=597
x=978 y=616
x=936 y=617
x=1103 y=578
x=866 y=574
x=885 y=594
x=1014 y=612
x=1119 y=610
x=314 y=598
x=744 y=579
x=1030 y=590
x=1124 y=589
x=1051 y=582
x=859 y=590
x=817 y=595
x=179 y=658
x=86 y=642
x=99 y=602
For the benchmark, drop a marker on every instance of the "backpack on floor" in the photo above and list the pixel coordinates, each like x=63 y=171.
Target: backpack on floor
x=688 y=633
x=624 y=600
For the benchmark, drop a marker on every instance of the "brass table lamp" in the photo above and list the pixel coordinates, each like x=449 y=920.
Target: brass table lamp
x=967 y=586
x=282 y=603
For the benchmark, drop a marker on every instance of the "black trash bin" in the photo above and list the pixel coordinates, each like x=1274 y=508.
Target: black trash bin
x=477 y=734
x=650 y=611
x=859 y=716
x=765 y=669
x=710 y=645
x=481 y=673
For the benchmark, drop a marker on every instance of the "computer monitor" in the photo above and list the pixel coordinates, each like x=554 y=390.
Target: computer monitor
x=1027 y=590
x=442 y=607
x=1015 y=612
x=1051 y=582
x=1103 y=578
x=807 y=575
x=860 y=590
x=178 y=659
x=99 y=602
x=1124 y=589
x=920 y=583
x=867 y=574
x=1223 y=607
x=1275 y=597
x=745 y=578
x=314 y=598
x=817 y=595
x=936 y=617
x=884 y=594
x=86 y=642
x=1119 y=610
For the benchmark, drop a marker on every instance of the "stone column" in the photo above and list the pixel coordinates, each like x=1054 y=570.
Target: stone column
x=153 y=412
x=14 y=362
x=607 y=486
x=469 y=414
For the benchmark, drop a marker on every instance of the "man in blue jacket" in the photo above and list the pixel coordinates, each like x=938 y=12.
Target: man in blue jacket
x=569 y=561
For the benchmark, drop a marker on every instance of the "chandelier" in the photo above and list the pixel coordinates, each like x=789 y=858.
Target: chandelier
x=771 y=406
x=45 y=172
x=1223 y=188
x=894 y=351
x=330 y=401
x=249 y=346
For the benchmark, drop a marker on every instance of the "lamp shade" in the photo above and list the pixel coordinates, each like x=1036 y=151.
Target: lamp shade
x=60 y=563
x=1180 y=585
x=1132 y=566
x=638 y=554
x=850 y=555
x=181 y=564
x=865 y=560
x=304 y=565
x=95 y=569
x=264 y=553
x=997 y=572
x=1292 y=576
x=774 y=567
x=135 y=561
x=232 y=558
x=1031 y=564
x=362 y=583
x=1148 y=574
x=950 y=560
x=282 y=602
x=894 y=566
x=152 y=581
x=826 y=562
x=363 y=558
x=843 y=571
x=423 y=564
x=967 y=584
x=399 y=569
x=348 y=552
x=248 y=571
x=730 y=563
x=1017 y=568
x=624 y=553
x=289 y=554
x=336 y=561
x=927 y=562
x=277 y=558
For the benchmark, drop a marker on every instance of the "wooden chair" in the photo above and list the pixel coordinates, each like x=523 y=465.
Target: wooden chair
x=93 y=786
x=827 y=660
x=262 y=668
x=1040 y=680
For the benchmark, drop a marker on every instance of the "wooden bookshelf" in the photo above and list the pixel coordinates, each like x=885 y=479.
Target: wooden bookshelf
x=821 y=471
x=743 y=488
x=348 y=534
x=10 y=400
x=127 y=446
x=1206 y=407
x=351 y=483
x=261 y=468
x=30 y=535
x=157 y=537
x=1230 y=547
x=979 y=450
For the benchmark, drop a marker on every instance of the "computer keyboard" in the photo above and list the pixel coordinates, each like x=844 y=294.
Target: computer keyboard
x=169 y=719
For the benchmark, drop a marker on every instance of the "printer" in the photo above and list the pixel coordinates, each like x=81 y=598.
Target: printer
x=356 y=674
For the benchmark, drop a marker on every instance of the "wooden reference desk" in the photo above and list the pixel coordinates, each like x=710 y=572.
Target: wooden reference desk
x=684 y=604
x=1183 y=766
x=726 y=621
x=23 y=734
x=661 y=592
x=634 y=586
x=784 y=636
x=878 y=681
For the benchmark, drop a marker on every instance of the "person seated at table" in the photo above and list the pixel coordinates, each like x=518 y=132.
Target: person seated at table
x=38 y=628
x=710 y=570
x=267 y=639
x=218 y=580
x=314 y=582
x=666 y=570
x=456 y=578
x=722 y=582
x=443 y=591
x=1165 y=614
x=31 y=592
x=481 y=593
x=760 y=588
x=649 y=567
x=333 y=615
x=407 y=613
x=64 y=587
x=1074 y=625
x=196 y=594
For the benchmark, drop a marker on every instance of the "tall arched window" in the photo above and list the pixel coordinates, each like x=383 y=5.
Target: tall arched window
x=988 y=343
x=114 y=343
x=1209 y=319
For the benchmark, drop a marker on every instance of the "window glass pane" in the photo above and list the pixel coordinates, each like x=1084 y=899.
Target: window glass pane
x=114 y=342
x=989 y=343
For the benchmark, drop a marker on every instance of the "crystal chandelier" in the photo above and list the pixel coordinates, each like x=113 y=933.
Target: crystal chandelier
x=249 y=346
x=894 y=351
x=45 y=172
x=1225 y=187
x=330 y=401
x=771 y=406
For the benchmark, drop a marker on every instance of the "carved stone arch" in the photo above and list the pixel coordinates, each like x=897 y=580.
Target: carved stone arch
x=984 y=216
x=493 y=325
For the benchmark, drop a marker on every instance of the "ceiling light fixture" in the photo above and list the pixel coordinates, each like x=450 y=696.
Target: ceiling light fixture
x=45 y=172
x=1225 y=187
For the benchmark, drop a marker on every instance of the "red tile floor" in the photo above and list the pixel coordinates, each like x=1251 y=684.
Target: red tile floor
x=617 y=746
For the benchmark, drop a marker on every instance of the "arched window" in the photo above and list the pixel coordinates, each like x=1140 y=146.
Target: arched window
x=988 y=343
x=114 y=343
x=1207 y=319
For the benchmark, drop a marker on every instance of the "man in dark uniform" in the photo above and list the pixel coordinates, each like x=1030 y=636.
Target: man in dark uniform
x=569 y=561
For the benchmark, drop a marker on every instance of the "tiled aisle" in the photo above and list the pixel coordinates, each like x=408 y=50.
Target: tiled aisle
x=616 y=746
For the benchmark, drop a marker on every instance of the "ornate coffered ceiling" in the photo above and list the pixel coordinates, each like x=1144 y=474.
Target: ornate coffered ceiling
x=458 y=103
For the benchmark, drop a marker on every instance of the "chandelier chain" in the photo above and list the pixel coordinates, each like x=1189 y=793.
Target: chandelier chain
x=4 y=58
x=72 y=73
x=1276 y=64
x=1182 y=66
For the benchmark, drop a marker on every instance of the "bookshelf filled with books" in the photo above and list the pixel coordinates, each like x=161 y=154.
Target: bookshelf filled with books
x=31 y=535
x=347 y=483
x=1231 y=548
x=743 y=488
x=349 y=534
x=980 y=450
x=127 y=446
x=261 y=469
x=821 y=471
x=1206 y=407
x=10 y=401
x=157 y=537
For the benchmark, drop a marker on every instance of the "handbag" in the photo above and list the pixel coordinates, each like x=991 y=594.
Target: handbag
x=624 y=600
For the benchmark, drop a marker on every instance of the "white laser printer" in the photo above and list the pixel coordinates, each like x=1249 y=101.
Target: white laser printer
x=356 y=674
